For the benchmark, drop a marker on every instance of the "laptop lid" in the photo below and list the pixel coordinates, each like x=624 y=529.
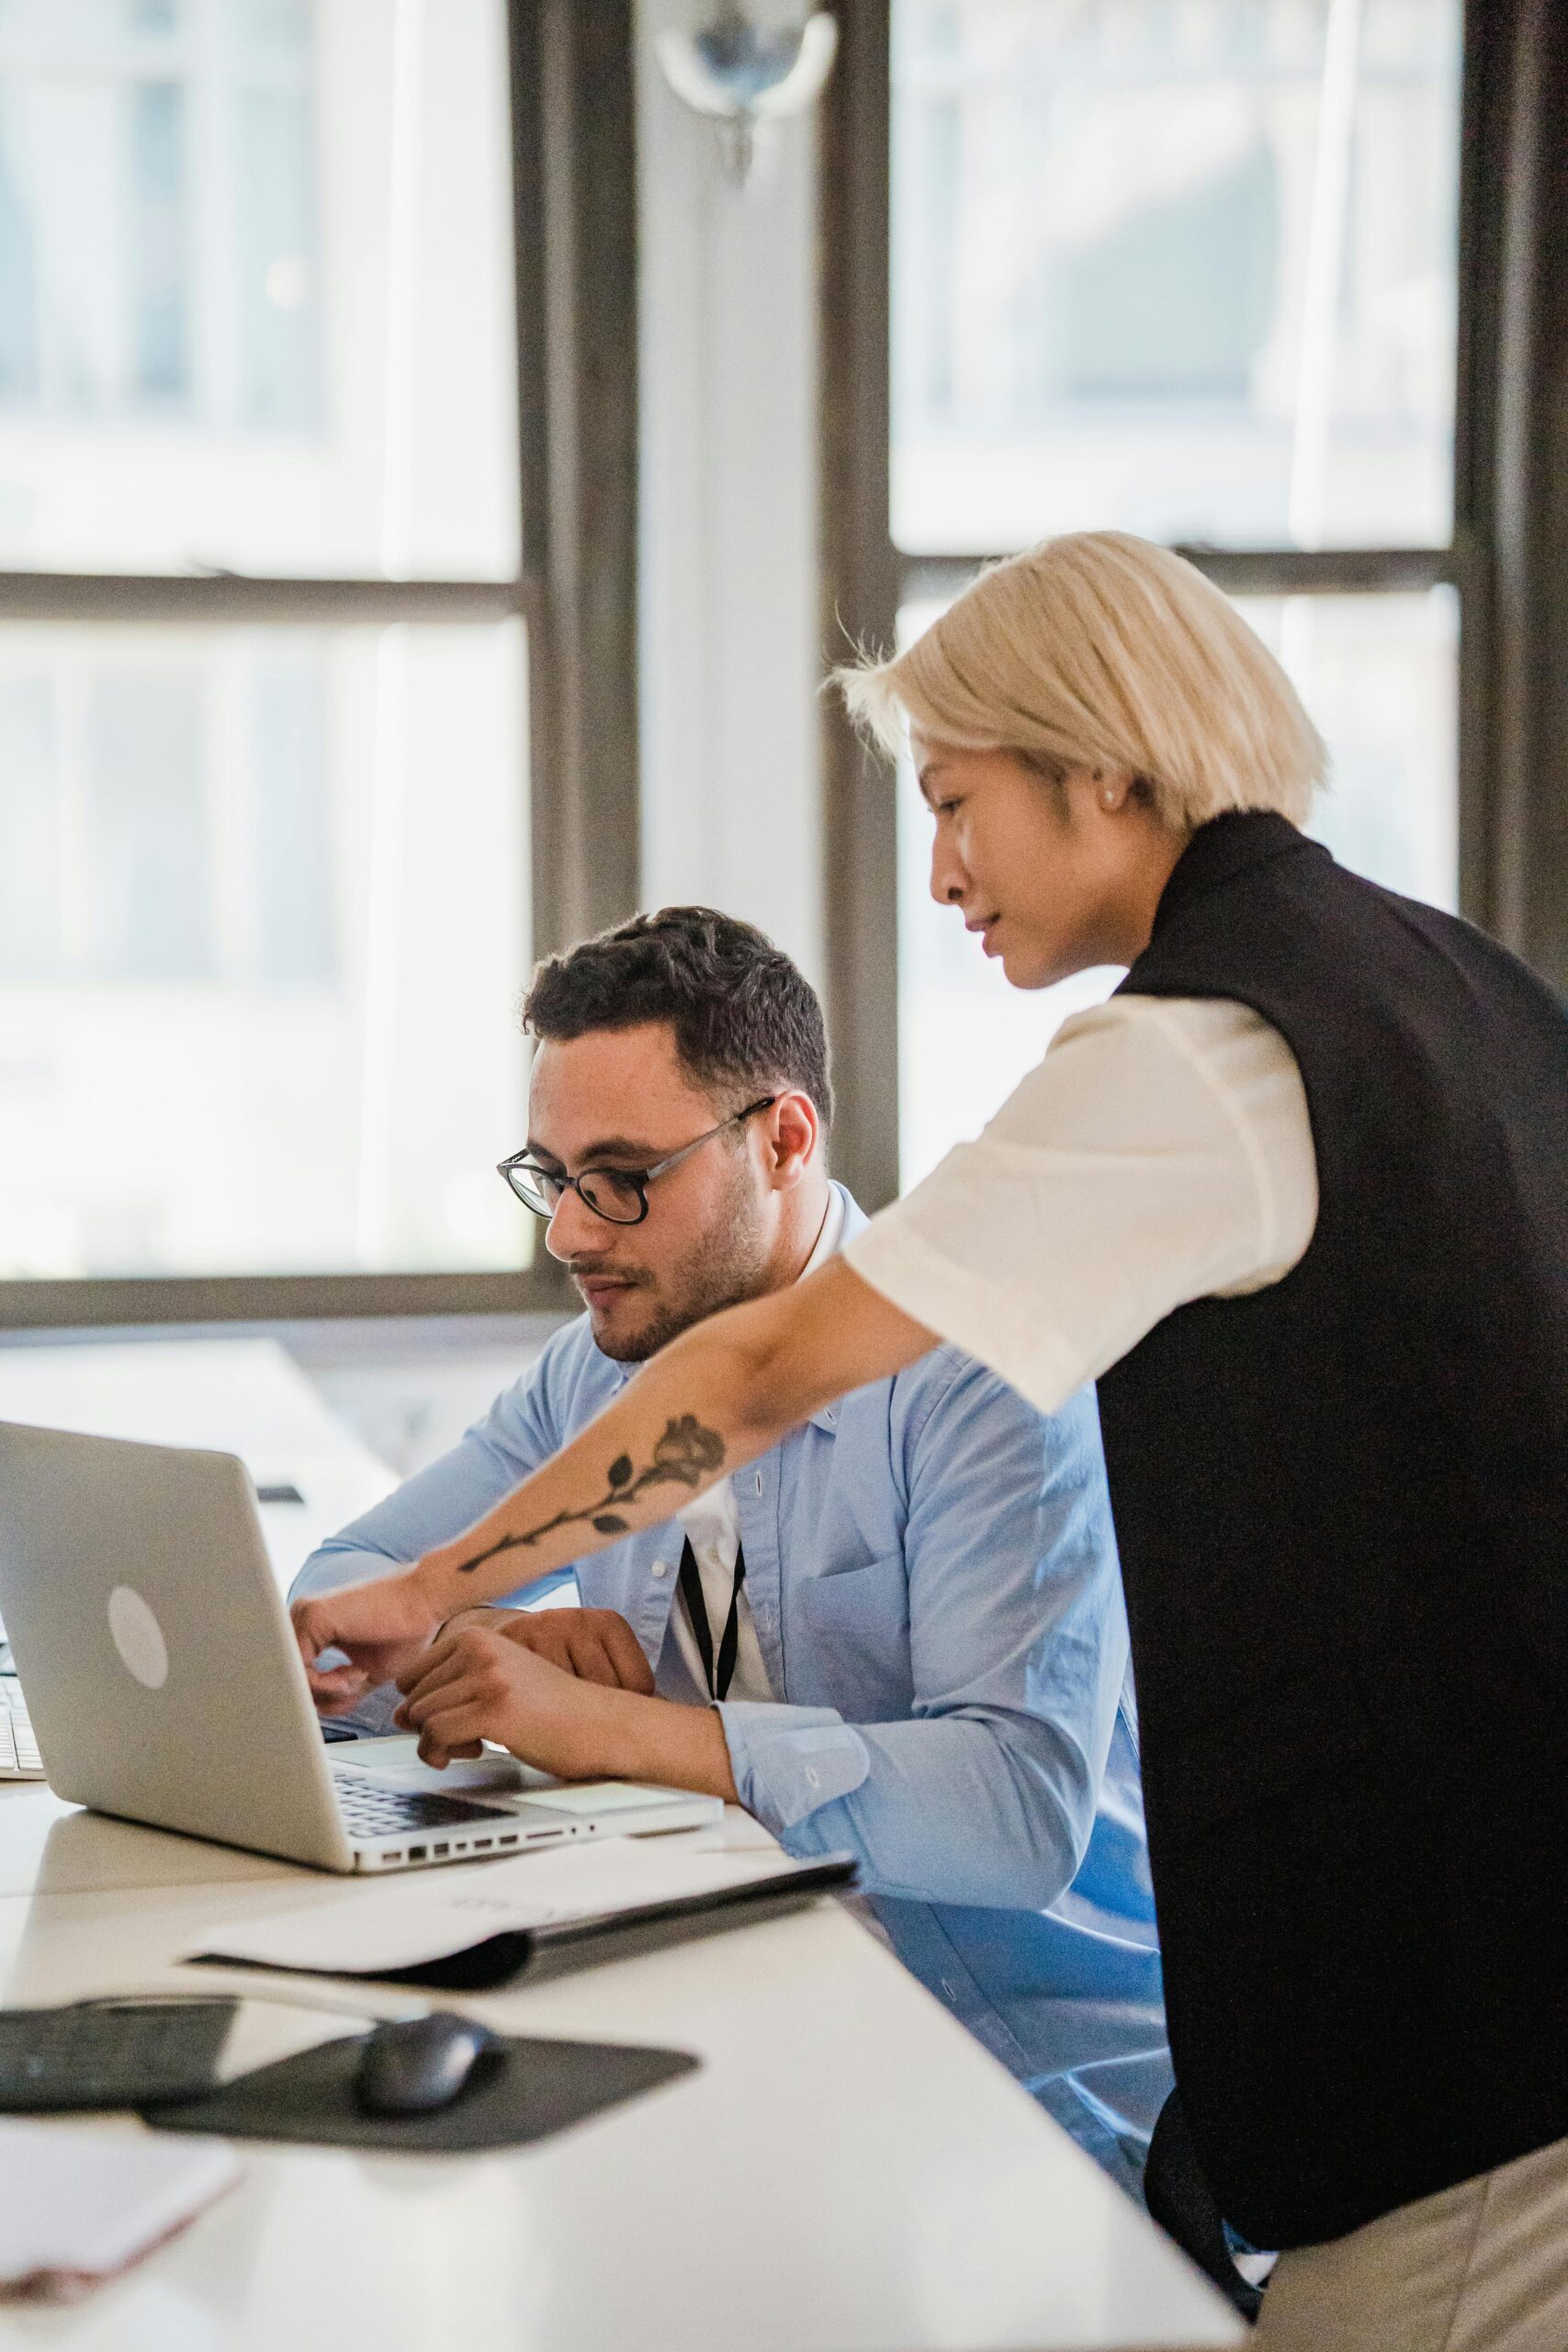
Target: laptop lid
x=160 y=1670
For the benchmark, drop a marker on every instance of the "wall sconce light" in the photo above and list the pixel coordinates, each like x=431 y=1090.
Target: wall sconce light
x=742 y=74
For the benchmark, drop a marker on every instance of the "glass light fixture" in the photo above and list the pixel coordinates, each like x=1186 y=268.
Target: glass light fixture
x=739 y=73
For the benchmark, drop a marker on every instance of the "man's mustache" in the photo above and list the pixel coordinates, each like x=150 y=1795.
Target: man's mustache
x=585 y=1270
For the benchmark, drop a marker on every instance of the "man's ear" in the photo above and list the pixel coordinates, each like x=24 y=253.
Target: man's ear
x=793 y=1127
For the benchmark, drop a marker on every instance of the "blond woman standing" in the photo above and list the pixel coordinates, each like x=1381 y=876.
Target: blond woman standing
x=1297 y=1198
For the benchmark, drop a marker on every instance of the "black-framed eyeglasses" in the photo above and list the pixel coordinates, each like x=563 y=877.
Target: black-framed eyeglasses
x=617 y=1194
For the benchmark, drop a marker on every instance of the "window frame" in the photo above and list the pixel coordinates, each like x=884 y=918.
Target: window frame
x=573 y=202
x=1505 y=559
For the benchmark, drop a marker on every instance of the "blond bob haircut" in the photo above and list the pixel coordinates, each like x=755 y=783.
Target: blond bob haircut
x=1095 y=650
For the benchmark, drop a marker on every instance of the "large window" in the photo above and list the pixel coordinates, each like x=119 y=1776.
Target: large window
x=1273 y=282
x=1185 y=270
x=1189 y=272
x=255 y=288
x=262 y=916
x=274 y=586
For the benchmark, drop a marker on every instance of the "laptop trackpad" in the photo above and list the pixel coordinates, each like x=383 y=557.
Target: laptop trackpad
x=396 y=1762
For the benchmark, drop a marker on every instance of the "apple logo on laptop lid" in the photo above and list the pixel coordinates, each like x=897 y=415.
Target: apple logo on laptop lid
x=138 y=1638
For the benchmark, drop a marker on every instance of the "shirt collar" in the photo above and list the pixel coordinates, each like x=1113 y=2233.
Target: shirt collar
x=831 y=1240
x=828 y=1242
x=843 y=1216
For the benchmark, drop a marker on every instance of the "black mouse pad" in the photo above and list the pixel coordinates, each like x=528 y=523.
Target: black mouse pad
x=518 y=2092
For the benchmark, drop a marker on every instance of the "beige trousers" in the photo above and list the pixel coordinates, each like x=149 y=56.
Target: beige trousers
x=1482 y=2267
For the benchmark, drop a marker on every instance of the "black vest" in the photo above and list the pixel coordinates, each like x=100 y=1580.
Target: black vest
x=1342 y=1508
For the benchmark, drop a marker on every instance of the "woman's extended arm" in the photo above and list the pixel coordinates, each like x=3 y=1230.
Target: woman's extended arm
x=716 y=1398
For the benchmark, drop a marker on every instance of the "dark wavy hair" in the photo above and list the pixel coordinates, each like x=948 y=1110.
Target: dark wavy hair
x=744 y=1017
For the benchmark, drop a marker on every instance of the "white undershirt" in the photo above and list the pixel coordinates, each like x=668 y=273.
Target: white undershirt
x=712 y=1524
x=1162 y=1151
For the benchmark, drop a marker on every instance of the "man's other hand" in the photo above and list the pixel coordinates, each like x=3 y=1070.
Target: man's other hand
x=481 y=1682
x=477 y=1685
x=596 y=1644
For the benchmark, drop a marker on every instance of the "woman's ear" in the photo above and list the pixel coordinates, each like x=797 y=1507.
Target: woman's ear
x=1104 y=791
x=1113 y=788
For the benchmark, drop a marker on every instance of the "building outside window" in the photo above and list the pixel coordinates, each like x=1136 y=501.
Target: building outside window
x=1187 y=268
x=264 y=876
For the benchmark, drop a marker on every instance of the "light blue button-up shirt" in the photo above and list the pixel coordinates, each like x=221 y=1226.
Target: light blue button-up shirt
x=933 y=1579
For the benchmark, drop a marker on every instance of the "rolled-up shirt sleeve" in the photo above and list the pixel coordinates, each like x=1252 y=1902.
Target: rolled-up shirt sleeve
x=1161 y=1152
x=986 y=1792
x=790 y=1762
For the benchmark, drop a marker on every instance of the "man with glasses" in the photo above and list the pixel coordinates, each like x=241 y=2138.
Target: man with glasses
x=900 y=1634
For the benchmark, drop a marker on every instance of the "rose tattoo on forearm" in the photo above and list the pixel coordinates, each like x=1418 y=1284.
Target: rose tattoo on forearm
x=683 y=1456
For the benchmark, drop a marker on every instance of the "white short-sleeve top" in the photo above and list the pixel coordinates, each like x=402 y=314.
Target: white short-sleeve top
x=1161 y=1152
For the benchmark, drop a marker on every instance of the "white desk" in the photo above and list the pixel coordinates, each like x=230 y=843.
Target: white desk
x=241 y=1396
x=848 y=2172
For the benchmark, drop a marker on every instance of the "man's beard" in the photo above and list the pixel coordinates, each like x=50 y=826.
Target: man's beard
x=721 y=1270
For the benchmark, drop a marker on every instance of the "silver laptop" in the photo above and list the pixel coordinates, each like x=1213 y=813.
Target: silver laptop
x=164 y=1684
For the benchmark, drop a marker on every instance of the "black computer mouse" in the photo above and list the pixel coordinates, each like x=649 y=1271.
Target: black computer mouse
x=417 y=2066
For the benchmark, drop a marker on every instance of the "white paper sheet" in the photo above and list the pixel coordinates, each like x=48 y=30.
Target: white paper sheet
x=78 y=2203
x=429 y=1914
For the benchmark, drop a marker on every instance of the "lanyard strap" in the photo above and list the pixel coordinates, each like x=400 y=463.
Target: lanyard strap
x=697 y=1611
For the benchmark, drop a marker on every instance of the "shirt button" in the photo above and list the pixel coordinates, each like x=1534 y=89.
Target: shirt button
x=661 y=1567
x=813 y=1777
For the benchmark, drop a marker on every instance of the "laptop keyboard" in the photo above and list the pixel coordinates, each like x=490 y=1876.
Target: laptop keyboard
x=371 y=1809
x=19 y=1758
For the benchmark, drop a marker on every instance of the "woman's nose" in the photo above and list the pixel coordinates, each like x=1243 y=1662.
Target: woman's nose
x=948 y=877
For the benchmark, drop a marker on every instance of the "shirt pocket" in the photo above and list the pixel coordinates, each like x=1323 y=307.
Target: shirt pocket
x=857 y=1627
